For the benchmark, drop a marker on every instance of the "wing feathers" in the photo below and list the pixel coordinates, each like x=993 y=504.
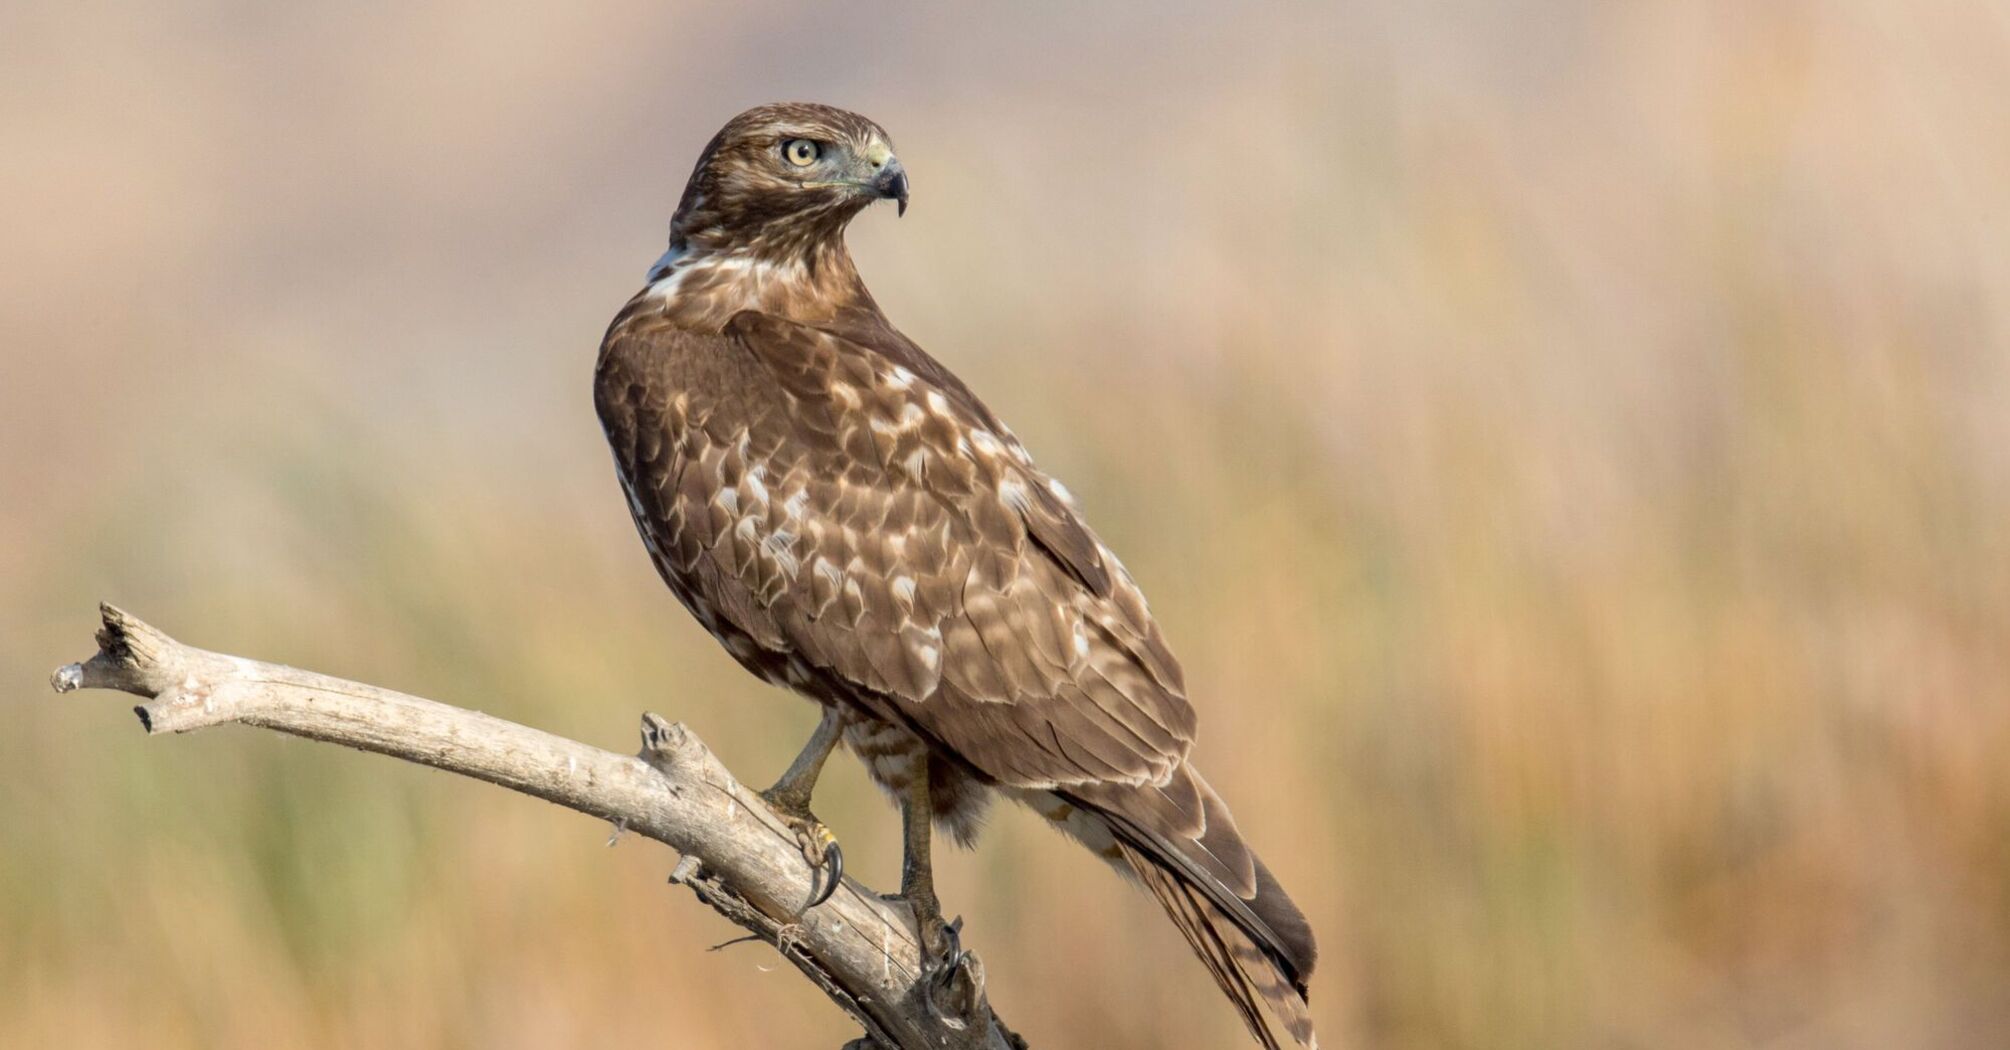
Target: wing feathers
x=713 y=431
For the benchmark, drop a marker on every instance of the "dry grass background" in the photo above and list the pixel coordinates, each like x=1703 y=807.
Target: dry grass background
x=1569 y=444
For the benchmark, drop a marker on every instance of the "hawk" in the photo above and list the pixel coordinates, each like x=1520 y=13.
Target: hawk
x=852 y=523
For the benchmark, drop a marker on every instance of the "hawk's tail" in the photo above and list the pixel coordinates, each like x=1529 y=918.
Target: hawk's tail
x=1183 y=845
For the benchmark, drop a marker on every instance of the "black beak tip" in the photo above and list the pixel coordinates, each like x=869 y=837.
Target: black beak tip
x=892 y=185
x=897 y=189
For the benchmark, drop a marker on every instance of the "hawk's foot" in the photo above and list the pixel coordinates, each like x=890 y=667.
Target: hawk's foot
x=952 y=978
x=819 y=846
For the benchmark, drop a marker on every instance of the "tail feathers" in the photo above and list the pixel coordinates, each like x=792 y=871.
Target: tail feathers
x=1185 y=826
x=1286 y=924
x=1179 y=839
x=1243 y=970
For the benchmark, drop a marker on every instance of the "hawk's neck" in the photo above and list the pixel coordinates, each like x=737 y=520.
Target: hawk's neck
x=701 y=289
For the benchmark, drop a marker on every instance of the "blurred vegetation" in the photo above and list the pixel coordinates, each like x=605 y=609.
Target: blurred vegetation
x=1567 y=443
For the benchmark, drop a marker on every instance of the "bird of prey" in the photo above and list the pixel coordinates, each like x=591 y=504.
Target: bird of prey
x=846 y=517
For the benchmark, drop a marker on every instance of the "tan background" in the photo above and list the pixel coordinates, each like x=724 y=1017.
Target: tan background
x=1569 y=444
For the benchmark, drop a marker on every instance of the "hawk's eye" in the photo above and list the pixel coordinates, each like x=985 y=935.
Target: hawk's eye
x=801 y=152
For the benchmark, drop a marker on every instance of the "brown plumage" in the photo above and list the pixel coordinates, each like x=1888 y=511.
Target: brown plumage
x=853 y=523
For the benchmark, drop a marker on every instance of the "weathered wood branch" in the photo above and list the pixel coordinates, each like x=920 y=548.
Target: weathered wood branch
x=738 y=855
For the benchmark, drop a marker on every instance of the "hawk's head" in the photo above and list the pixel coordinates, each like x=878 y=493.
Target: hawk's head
x=783 y=178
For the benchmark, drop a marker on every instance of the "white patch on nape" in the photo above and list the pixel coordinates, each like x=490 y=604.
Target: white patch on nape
x=757 y=269
x=748 y=276
x=664 y=285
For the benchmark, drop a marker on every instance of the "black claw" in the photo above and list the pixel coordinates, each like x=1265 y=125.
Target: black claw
x=834 y=860
x=946 y=965
x=940 y=973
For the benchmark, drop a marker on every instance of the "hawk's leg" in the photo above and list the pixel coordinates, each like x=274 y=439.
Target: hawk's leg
x=945 y=965
x=791 y=798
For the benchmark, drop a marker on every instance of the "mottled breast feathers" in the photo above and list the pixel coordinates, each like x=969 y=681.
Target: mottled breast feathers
x=839 y=497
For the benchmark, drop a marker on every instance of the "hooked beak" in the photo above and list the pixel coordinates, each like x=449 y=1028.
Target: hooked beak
x=891 y=184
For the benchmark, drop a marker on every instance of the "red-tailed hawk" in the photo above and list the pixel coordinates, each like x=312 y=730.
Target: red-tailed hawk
x=851 y=522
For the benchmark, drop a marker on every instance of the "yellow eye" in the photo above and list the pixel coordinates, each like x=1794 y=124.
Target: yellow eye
x=801 y=152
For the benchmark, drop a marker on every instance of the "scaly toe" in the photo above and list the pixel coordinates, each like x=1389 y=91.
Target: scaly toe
x=819 y=846
x=952 y=978
x=946 y=954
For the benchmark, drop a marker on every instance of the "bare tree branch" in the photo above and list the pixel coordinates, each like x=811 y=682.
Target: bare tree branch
x=738 y=856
